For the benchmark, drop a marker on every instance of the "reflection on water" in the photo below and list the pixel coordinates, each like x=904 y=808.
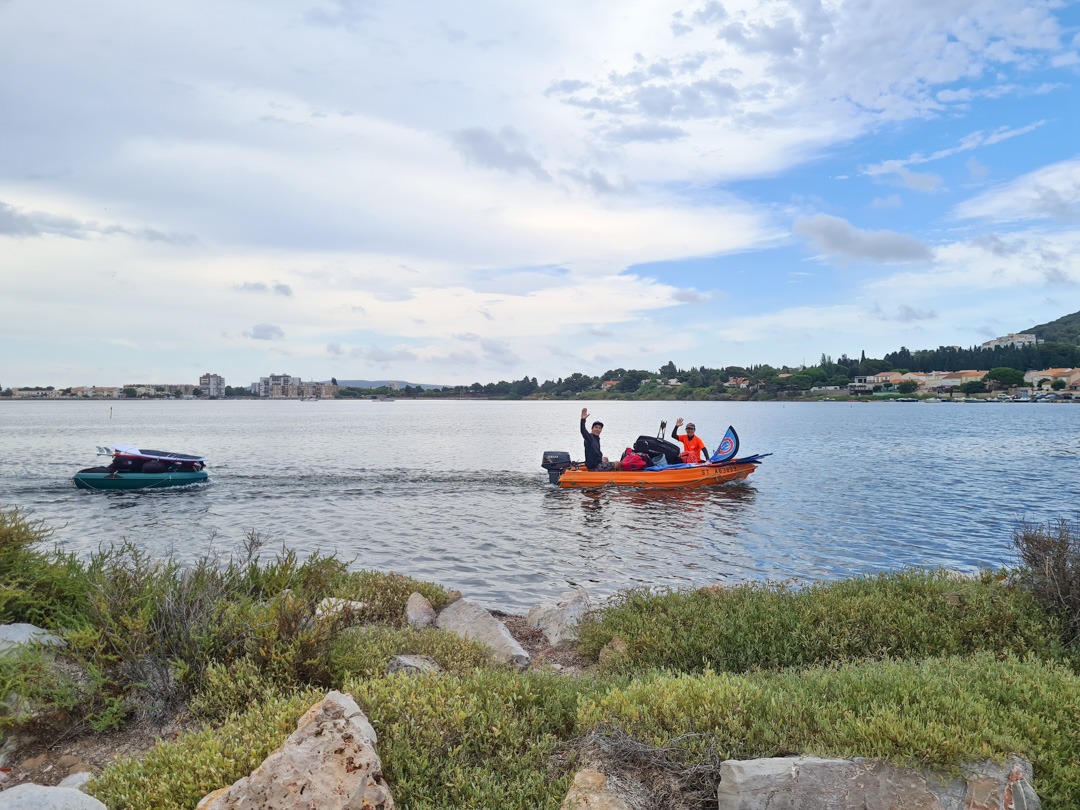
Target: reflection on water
x=848 y=489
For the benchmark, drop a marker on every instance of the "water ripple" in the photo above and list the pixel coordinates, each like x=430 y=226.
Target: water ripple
x=461 y=499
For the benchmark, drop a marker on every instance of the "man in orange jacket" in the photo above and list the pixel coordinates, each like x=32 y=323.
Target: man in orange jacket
x=693 y=446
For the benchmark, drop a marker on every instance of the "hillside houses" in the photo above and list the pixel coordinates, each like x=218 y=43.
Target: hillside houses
x=936 y=382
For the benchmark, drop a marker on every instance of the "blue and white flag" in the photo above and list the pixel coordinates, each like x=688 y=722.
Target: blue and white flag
x=728 y=447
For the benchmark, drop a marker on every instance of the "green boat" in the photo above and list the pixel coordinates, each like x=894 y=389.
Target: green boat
x=133 y=469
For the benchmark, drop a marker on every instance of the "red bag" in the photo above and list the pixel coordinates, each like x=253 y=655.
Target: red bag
x=689 y=458
x=632 y=460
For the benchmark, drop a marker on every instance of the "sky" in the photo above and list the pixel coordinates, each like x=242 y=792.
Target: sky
x=481 y=191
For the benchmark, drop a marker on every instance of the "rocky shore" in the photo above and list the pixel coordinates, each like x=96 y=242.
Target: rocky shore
x=331 y=760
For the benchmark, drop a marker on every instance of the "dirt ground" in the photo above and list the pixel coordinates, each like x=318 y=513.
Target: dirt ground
x=47 y=761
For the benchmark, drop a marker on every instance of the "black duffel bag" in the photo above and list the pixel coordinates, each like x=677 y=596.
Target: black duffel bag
x=653 y=446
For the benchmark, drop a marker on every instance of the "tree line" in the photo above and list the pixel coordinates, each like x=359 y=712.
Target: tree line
x=758 y=381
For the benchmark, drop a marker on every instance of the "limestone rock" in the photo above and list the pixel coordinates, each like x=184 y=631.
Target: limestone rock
x=38 y=797
x=470 y=620
x=590 y=792
x=78 y=780
x=413 y=665
x=418 y=611
x=328 y=763
x=808 y=783
x=559 y=619
x=16 y=635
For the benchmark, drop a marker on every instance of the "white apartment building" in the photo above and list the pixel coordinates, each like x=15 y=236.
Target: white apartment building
x=279 y=386
x=212 y=385
x=1011 y=340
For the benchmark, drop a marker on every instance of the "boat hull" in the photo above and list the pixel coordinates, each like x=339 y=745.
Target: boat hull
x=135 y=480
x=705 y=475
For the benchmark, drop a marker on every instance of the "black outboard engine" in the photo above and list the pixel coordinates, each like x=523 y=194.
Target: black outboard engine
x=555 y=462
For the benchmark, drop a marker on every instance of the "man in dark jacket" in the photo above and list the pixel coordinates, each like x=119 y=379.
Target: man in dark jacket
x=593 y=457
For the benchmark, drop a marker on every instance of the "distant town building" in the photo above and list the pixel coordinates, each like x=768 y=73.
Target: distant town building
x=1016 y=341
x=285 y=386
x=95 y=392
x=1071 y=376
x=160 y=390
x=212 y=385
x=279 y=386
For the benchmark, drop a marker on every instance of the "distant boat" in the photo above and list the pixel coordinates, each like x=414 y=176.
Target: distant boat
x=132 y=469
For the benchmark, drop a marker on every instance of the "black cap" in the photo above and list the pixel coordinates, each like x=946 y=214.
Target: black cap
x=594 y=424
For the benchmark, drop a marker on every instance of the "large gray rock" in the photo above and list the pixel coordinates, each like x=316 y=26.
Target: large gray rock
x=809 y=783
x=468 y=619
x=328 y=763
x=418 y=611
x=13 y=636
x=38 y=797
x=78 y=780
x=559 y=619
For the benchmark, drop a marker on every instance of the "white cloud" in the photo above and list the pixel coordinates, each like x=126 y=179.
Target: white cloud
x=265 y=331
x=359 y=182
x=839 y=239
x=1052 y=192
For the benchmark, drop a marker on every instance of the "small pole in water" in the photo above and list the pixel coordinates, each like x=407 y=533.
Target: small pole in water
x=110 y=411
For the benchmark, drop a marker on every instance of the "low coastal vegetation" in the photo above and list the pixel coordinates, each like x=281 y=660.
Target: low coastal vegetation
x=921 y=668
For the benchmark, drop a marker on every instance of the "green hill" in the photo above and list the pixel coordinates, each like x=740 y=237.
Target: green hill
x=1065 y=329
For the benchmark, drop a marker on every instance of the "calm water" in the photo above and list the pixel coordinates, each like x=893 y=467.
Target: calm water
x=453 y=491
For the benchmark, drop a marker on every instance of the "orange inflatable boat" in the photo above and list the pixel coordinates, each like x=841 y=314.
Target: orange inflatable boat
x=722 y=467
x=681 y=477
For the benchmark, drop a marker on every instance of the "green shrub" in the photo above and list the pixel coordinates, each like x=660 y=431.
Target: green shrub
x=152 y=627
x=910 y=614
x=175 y=775
x=1050 y=554
x=31 y=686
x=365 y=652
x=385 y=595
x=44 y=589
x=936 y=712
x=487 y=739
x=232 y=689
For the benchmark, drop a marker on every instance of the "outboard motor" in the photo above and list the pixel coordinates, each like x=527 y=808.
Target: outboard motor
x=555 y=462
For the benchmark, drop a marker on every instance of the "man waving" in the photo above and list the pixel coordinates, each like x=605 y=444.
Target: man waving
x=694 y=450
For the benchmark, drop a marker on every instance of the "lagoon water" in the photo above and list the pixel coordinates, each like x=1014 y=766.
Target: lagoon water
x=453 y=492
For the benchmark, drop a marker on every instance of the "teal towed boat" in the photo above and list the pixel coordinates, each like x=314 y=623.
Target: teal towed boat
x=132 y=468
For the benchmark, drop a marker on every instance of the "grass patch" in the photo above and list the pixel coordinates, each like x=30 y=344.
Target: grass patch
x=176 y=775
x=912 y=614
x=937 y=713
x=487 y=739
x=385 y=595
x=41 y=588
x=366 y=652
x=494 y=738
